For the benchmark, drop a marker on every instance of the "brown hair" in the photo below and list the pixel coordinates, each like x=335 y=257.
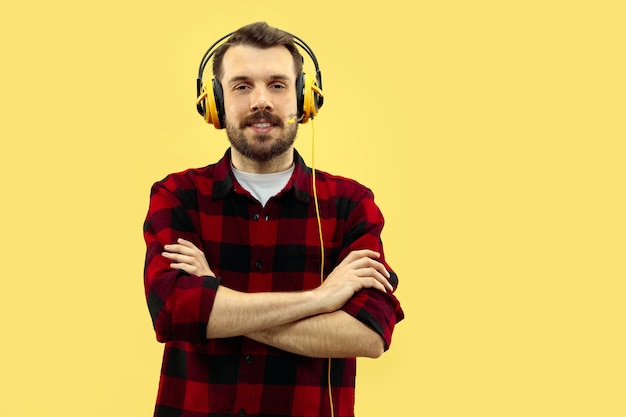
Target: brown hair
x=259 y=35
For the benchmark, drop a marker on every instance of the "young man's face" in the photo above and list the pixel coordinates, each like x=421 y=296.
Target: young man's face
x=259 y=100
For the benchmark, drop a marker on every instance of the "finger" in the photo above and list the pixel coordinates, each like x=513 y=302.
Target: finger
x=176 y=248
x=179 y=248
x=361 y=254
x=187 y=243
x=373 y=283
x=185 y=267
x=371 y=263
x=383 y=276
x=177 y=257
x=375 y=274
x=190 y=248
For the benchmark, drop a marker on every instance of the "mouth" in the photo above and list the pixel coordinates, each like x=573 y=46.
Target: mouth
x=261 y=127
x=261 y=123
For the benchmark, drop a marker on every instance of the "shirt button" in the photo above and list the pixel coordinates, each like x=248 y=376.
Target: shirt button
x=258 y=265
x=248 y=359
x=256 y=217
x=242 y=412
x=267 y=218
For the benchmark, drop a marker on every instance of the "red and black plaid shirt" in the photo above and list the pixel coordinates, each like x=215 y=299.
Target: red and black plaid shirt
x=253 y=249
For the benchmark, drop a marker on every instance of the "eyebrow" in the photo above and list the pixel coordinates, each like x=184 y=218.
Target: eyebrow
x=275 y=77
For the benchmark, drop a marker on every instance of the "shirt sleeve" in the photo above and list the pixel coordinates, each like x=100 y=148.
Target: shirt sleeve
x=179 y=303
x=378 y=310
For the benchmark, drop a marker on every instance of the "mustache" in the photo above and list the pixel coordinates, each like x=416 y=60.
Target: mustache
x=261 y=116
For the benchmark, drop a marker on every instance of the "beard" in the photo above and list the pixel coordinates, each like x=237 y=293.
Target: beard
x=261 y=147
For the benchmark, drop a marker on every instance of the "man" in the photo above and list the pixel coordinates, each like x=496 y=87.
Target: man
x=251 y=325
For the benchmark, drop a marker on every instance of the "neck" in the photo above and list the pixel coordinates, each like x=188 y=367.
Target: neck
x=279 y=163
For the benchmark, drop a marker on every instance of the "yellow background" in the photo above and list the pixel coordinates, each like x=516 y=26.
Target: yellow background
x=492 y=133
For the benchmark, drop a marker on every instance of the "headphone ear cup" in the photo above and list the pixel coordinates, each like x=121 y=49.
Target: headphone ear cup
x=309 y=97
x=218 y=102
x=210 y=104
x=319 y=94
x=201 y=101
x=300 y=96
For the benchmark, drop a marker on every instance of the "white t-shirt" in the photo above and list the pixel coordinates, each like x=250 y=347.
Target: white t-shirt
x=263 y=186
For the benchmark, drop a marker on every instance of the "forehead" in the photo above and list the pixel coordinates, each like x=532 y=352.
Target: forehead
x=248 y=61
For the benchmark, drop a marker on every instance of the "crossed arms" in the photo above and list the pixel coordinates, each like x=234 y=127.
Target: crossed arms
x=309 y=323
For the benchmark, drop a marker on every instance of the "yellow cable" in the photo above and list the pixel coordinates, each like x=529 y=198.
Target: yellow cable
x=319 y=228
x=317 y=207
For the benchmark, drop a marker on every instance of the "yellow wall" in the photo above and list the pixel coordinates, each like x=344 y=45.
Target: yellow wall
x=492 y=133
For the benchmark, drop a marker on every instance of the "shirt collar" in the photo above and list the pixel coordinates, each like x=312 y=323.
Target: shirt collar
x=300 y=180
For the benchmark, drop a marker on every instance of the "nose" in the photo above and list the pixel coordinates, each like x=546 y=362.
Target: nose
x=260 y=100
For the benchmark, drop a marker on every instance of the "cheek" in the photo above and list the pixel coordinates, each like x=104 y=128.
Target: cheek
x=290 y=107
x=233 y=110
x=230 y=106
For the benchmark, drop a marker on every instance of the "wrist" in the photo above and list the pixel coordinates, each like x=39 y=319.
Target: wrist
x=320 y=301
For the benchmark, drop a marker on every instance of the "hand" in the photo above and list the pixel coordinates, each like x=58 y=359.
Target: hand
x=358 y=270
x=186 y=256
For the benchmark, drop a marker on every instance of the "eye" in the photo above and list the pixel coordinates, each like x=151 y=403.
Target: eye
x=241 y=87
x=277 y=86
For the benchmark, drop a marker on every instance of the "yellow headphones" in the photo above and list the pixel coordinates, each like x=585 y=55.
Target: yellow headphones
x=210 y=101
